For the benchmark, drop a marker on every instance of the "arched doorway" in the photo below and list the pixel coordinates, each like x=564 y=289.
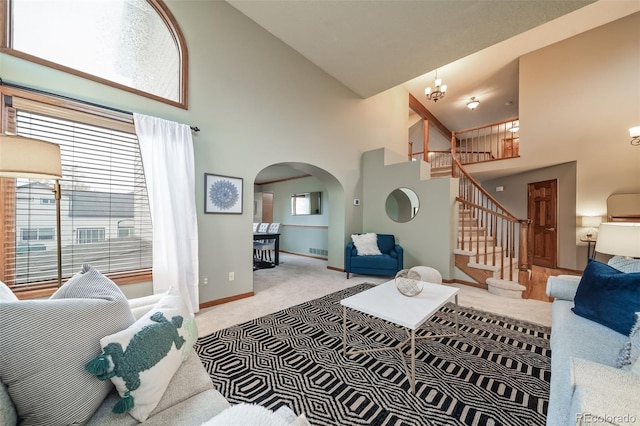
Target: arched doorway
x=318 y=234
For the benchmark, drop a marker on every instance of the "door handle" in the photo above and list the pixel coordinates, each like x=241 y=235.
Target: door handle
x=550 y=229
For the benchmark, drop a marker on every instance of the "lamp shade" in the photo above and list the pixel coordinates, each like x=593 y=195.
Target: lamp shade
x=591 y=221
x=29 y=158
x=621 y=239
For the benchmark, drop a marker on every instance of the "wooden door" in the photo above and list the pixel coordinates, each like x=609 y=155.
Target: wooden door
x=267 y=207
x=510 y=147
x=542 y=211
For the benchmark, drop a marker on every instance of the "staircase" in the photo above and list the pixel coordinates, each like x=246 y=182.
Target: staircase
x=491 y=242
x=483 y=260
x=441 y=171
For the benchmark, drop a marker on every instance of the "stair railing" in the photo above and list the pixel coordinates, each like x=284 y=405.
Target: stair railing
x=439 y=158
x=497 y=237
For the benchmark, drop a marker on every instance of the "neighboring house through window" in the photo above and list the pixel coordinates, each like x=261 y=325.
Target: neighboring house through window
x=102 y=188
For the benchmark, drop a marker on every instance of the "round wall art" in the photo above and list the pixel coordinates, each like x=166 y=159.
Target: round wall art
x=223 y=194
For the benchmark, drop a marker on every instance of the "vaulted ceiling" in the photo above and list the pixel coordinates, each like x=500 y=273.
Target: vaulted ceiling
x=372 y=46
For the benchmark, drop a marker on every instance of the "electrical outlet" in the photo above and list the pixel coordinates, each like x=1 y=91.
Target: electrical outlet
x=205 y=281
x=232 y=276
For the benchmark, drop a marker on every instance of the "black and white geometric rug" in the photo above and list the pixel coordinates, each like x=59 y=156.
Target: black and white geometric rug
x=496 y=372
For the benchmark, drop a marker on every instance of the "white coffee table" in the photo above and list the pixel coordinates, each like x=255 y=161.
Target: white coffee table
x=385 y=302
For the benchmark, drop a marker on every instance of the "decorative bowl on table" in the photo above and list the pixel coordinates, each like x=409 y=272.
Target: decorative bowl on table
x=408 y=283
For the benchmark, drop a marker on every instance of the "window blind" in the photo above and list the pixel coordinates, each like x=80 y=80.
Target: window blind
x=105 y=219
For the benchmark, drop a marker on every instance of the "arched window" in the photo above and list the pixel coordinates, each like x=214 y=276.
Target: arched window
x=134 y=45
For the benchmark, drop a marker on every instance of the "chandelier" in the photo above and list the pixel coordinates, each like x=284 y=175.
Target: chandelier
x=437 y=92
x=634 y=133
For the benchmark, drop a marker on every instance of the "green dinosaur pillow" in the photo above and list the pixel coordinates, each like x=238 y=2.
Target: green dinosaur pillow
x=141 y=360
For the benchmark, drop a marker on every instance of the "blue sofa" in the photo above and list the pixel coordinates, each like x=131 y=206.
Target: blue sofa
x=586 y=387
x=388 y=263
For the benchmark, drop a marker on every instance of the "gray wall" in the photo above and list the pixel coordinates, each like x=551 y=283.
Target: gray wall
x=428 y=238
x=514 y=197
x=300 y=233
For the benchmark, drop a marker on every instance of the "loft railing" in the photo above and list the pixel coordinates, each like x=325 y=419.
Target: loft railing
x=435 y=158
x=490 y=142
x=488 y=230
x=495 y=141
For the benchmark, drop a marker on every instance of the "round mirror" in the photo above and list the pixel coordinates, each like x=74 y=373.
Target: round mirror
x=402 y=205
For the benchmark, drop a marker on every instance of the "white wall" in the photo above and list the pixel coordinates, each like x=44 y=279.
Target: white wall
x=578 y=98
x=258 y=103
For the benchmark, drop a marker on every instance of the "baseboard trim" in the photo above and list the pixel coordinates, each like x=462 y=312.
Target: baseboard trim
x=225 y=300
x=333 y=268
x=303 y=255
x=469 y=283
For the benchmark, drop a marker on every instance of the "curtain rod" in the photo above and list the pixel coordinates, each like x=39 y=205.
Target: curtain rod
x=42 y=92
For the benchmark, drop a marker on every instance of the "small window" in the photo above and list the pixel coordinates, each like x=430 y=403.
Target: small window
x=28 y=234
x=306 y=203
x=37 y=234
x=126 y=229
x=90 y=235
x=125 y=232
x=46 y=234
x=135 y=44
x=48 y=201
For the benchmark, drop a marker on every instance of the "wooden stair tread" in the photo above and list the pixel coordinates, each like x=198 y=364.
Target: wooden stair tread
x=505 y=284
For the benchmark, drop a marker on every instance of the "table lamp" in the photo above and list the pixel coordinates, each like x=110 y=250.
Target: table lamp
x=591 y=222
x=619 y=239
x=30 y=158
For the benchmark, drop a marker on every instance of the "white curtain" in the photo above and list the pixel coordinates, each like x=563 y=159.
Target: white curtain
x=167 y=156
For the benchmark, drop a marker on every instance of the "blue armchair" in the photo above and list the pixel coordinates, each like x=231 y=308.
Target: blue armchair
x=387 y=263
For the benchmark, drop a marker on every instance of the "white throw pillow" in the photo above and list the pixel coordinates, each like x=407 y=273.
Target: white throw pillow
x=251 y=414
x=366 y=244
x=141 y=360
x=6 y=295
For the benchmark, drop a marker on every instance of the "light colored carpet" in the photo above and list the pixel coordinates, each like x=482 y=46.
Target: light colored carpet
x=298 y=279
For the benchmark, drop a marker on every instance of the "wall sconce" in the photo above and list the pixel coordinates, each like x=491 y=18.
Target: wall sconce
x=591 y=222
x=634 y=132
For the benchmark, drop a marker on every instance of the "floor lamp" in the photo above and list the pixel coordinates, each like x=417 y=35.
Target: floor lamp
x=34 y=159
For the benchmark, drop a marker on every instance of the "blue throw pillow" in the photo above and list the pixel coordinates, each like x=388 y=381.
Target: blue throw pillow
x=608 y=296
